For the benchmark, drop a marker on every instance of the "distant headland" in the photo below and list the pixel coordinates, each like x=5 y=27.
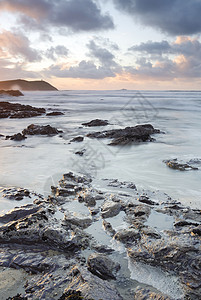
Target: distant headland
x=25 y=85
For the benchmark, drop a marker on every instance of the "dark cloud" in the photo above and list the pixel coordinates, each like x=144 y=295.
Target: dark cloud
x=175 y=17
x=85 y=69
x=56 y=52
x=152 y=47
x=102 y=54
x=76 y=15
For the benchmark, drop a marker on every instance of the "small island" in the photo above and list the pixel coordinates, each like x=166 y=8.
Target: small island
x=25 y=85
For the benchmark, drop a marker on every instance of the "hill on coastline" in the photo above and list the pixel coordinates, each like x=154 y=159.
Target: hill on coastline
x=25 y=85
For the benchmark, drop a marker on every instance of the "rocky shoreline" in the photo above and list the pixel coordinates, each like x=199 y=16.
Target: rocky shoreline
x=56 y=242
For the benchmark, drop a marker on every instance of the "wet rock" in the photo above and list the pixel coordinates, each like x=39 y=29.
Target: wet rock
x=91 y=286
x=17 y=297
x=96 y=122
x=124 y=184
x=76 y=178
x=176 y=165
x=102 y=266
x=15 y=93
x=90 y=200
x=16 y=110
x=108 y=227
x=150 y=232
x=40 y=130
x=72 y=295
x=19 y=213
x=146 y=294
x=15 y=193
x=128 y=135
x=197 y=230
x=184 y=223
x=16 y=137
x=80 y=221
x=127 y=236
x=80 y=153
x=77 y=139
x=146 y=200
x=54 y=113
x=110 y=209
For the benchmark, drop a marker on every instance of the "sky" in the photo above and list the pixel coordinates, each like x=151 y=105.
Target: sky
x=102 y=44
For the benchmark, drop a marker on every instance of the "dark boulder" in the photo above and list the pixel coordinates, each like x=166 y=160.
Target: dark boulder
x=176 y=165
x=128 y=135
x=55 y=113
x=77 y=139
x=40 y=130
x=16 y=137
x=96 y=122
x=102 y=266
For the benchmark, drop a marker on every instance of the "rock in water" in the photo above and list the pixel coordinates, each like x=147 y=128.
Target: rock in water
x=40 y=130
x=128 y=135
x=96 y=122
x=16 y=110
x=15 y=93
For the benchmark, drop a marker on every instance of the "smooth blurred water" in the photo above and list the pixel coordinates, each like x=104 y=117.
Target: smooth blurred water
x=39 y=162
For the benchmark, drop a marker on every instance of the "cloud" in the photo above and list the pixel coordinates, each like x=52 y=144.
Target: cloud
x=76 y=15
x=56 y=52
x=85 y=69
x=16 y=45
x=179 y=59
x=175 y=17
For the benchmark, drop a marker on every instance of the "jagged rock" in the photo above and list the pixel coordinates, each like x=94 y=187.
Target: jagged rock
x=80 y=153
x=139 y=133
x=15 y=193
x=146 y=294
x=102 y=266
x=40 y=130
x=108 y=227
x=174 y=164
x=110 y=209
x=96 y=122
x=16 y=137
x=15 y=93
x=150 y=232
x=54 y=113
x=80 y=221
x=16 y=110
x=77 y=139
x=127 y=236
x=146 y=200
x=19 y=213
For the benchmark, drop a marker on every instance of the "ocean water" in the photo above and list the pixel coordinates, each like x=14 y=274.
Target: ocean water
x=39 y=161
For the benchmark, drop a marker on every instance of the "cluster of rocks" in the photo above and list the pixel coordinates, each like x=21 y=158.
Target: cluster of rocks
x=16 y=110
x=182 y=166
x=34 y=130
x=15 y=93
x=128 y=135
x=53 y=242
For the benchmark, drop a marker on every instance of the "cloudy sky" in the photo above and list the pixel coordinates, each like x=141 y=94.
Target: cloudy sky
x=102 y=44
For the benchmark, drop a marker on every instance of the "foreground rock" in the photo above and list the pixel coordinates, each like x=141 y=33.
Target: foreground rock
x=61 y=245
x=15 y=93
x=40 y=130
x=54 y=113
x=128 y=135
x=16 y=137
x=16 y=110
x=96 y=122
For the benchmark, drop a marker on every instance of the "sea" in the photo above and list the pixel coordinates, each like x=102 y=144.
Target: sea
x=38 y=162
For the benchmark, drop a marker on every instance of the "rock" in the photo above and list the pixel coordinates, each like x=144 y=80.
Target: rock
x=102 y=266
x=16 y=110
x=80 y=153
x=110 y=209
x=16 y=137
x=80 y=221
x=90 y=200
x=77 y=139
x=108 y=227
x=72 y=295
x=146 y=200
x=15 y=93
x=139 y=133
x=96 y=122
x=146 y=294
x=91 y=286
x=15 y=193
x=184 y=223
x=150 y=232
x=174 y=164
x=19 y=213
x=54 y=113
x=40 y=130
x=127 y=236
